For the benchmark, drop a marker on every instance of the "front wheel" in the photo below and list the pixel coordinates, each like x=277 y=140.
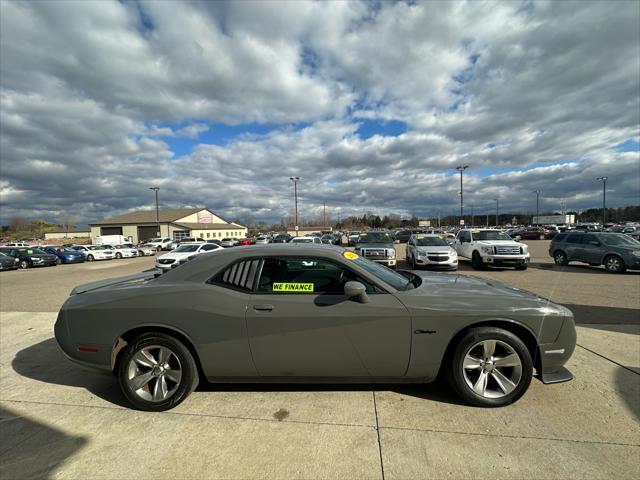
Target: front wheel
x=614 y=264
x=118 y=255
x=476 y=261
x=490 y=367
x=541 y=237
x=90 y=258
x=24 y=264
x=561 y=259
x=58 y=261
x=157 y=372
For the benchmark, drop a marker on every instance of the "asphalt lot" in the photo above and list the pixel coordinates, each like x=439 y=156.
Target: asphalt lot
x=60 y=421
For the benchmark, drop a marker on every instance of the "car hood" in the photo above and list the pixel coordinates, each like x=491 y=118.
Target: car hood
x=498 y=242
x=433 y=249
x=178 y=255
x=374 y=245
x=115 y=282
x=44 y=256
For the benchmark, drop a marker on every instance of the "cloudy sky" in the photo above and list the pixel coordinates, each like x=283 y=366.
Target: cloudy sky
x=373 y=104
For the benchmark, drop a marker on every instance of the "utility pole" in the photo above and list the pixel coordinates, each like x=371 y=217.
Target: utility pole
x=461 y=168
x=604 y=199
x=537 y=192
x=324 y=213
x=473 y=219
x=497 y=212
x=487 y=218
x=155 y=189
x=295 y=181
x=438 y=218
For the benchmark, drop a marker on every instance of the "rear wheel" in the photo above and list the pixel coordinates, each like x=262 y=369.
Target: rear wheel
x=541 y=237
x=58 y=261
x=476 y=261
x=490 y=367
x=118 y=255
x=24 y=264
x=560 y=258
x=157 y=372
x=90 y=258
x=614 y=264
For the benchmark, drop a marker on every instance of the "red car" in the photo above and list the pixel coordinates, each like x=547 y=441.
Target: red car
x=245 y=241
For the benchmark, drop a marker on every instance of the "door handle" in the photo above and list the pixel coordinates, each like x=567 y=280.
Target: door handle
x=263 y=308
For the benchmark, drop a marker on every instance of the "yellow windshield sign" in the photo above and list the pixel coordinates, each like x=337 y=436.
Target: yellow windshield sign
x=350 y=255
x=293 y=287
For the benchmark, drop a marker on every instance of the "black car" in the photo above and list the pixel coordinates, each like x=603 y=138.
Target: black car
x=30 y=256
x=281 y=238
x=403 y=236
x=8 y=263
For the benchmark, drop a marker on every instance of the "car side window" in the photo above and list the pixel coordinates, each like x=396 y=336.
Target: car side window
x=589 y=238
x=560 y=237
x=305 y=276
x=238 y=276
x=574 y=238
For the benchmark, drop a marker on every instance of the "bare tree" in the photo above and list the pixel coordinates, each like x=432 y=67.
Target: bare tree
x=67 y=222
x=19 y=224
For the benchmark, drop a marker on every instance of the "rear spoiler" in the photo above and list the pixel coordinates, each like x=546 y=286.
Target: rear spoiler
x=87 y=287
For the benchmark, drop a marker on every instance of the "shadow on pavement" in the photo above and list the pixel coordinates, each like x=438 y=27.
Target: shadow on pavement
x=45 y=362
x=29 y=449
x=594 y=315
x=627 y=386
x=579 y=268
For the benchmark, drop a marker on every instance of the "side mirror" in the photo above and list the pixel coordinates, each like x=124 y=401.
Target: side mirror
x=356 y=291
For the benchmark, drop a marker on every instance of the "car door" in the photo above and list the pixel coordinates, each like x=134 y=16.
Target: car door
x=591 y=249
x=573 y=247
x=300 y=323
x=411 y=249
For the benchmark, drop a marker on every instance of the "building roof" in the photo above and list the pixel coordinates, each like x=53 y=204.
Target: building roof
x=209 y=226
x=149 y=216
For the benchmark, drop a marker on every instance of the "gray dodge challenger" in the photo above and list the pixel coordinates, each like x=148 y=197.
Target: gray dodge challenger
x=310 y=313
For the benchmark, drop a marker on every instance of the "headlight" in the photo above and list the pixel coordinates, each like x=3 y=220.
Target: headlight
x=635 y=253
x=421 y=254
x=488 y=250
x=453 y=253
x=391 y=253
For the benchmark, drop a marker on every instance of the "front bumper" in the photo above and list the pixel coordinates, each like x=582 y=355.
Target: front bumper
x=72 y=259
x=553 y=356
x=389 y=262
x=506 y=260
x=450 y=264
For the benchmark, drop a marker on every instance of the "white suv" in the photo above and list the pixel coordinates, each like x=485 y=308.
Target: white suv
x=159 y=243
x=491 y=247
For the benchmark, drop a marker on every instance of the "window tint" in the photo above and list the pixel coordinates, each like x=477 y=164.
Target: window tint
x=574 y=238
x=240 y=275
x=305 y=275
x=586 y=239
x=560 y=237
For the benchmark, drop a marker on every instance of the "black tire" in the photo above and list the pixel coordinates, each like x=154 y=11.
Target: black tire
x=560 y=258
x=58 y=261
x=541 y=237
x=188 y=382
x=522 y=267
x=412 y=263
x=476 y=261
x=90 y=258
x=118 y=255
x=24 y=264
x=473 y=336
x=614 y=264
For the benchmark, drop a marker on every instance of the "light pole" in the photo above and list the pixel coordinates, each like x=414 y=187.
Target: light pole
x=473 y=218
x=537 y=192
x=295 y=181
x=604 y=199
x=497 y=211
x=155 y=189
x=461 y=168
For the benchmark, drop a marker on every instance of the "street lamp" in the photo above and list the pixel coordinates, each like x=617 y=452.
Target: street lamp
x=537 y=192
x=155 y=189
x=497 y=215
x=461 y=168
x=604 y=198
x=295 y=181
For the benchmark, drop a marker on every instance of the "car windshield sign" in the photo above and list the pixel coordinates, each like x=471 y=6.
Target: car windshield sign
x=490 y=235
x=431 y=242
x=374 y=237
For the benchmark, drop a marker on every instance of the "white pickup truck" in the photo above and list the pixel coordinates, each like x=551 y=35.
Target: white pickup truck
x=491 y=247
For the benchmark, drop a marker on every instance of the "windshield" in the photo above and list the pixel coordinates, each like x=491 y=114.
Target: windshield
x=31 y=251
x=490 y=235
x=302 y=240
x=375 y=237
x=385 y=274
x=618 y=239
x=187 y=248
x=431 y=242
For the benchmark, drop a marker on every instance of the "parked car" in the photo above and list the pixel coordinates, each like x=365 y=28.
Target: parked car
x=16 y=244
x=30 y=257
x=64 y=254
x=159 y=243
x=315 y=240
x=126 y=250
x=282 y=238
x=352 y=237
x=245 y=242
x=431 y=251
x=355 y=321
x=214 y=240
x=8 y=262
x=185 y=251
x=146 y=249
x=261 y=240
x=190 y=240
x=616 y=251
x=533 y=233
x=172 y=245
x=403 y=236
x=95 y=252
x=229 y=242
x=491 y=248
x=328 y=239
x=514 y=233
x=377 y=246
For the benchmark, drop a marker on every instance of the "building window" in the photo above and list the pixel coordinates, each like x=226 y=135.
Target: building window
x=208 y=235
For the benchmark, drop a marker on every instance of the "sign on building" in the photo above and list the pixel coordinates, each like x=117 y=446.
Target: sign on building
x=205 y=217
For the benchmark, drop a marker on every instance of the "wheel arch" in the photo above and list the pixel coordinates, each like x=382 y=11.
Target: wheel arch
x=522 y=331
x=125 y=338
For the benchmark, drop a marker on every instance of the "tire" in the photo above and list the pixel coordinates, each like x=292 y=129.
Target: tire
x=24 y=264
x=522 y=267
x=476 y=261
x=58 y=261
x=614 y=264
x=90 y=258
x=412 y=263
x=541 y=237
x=178 y=385
x=118 y=255
x=502 y=385
x=560 y=258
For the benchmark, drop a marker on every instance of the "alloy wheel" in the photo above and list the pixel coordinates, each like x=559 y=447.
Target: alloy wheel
x=613 y=264
x=492 y=368
x=154 y=373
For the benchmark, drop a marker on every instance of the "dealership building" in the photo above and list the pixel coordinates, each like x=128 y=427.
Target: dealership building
x=142 y=225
